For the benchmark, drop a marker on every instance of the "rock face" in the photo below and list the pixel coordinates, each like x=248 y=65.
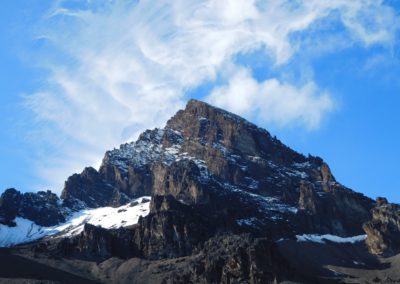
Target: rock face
x=42 y=207
x=96 y=243
x=224 y=192
x=383 y=230
x=91 y=190
x=205 y=151
x=235 y=259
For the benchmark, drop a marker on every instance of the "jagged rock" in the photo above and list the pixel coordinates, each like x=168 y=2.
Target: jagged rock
x=235 y=259
x=171 y=229
x=338 y=211
x=92 y=190
x=9 y=206
x=97 y=243
x=228 y=143
x=42 y=207
x=308 y=198
x=381 y=201
x=383 y=230
x=182 y=179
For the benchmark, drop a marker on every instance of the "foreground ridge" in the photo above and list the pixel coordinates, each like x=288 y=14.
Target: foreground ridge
x=214 y=191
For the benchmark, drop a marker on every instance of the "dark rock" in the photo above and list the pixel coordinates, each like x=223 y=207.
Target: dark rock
x=339 y=211
x=42 y=207
x=381 y=201
x=9 y=206
x=172 y=229
x=235 y=259
x=92 y=190
x=134 y=203
x=308 y=198
x=97 y=243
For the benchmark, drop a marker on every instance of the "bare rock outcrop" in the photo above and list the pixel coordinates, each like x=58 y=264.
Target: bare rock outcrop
x=383 y=230
x=42 y=207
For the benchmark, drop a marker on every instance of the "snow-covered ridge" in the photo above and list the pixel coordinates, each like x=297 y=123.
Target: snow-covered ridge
x=106 y=217
x=149 y=149
x=145 y=150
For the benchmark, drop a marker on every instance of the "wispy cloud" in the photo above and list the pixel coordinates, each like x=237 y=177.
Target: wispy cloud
x=273 y=101
x=122 y=66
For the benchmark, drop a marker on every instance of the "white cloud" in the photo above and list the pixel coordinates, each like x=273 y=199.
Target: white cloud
x=371 y=22
x=272 y=101
x=122 y=66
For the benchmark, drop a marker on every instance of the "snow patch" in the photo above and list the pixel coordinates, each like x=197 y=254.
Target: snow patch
x=302 y=165
x=358 y=263
x=268 y=204
x=247 y=222
x=24 y=231
x=332 y=238
x=149 y=149
x=106 y=217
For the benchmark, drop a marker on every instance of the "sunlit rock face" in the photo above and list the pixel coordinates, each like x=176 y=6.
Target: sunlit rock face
x=383 y=230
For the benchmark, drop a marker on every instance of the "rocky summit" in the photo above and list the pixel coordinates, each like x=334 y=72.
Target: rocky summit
x=210 y=198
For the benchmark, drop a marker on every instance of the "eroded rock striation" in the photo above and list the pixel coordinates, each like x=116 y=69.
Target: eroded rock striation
x=383 y=230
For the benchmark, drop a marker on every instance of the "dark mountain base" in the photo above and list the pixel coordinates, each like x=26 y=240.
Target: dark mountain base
x=224 y=260
x=15 y=268
x=341 y=263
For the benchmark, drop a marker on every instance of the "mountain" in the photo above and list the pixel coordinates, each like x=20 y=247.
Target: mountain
x=210 y=198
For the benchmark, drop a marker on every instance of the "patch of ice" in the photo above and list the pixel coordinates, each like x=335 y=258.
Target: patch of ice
x=255 y=158
x=302 y=165
x=247 y=222
x=302 y=175
x=336 y=273
x=220 y=148
x=178 y=133
x=332 y=238
x=252 y=183
x=267 y=204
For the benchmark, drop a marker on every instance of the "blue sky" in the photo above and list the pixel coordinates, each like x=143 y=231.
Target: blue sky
x=80 y=77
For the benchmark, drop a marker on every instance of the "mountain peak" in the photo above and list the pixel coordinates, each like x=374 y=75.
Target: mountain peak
x=209 y=125
x=203 y=111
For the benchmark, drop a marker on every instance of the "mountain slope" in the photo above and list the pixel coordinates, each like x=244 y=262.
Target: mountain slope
x=213 y=152
x=227 y=199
